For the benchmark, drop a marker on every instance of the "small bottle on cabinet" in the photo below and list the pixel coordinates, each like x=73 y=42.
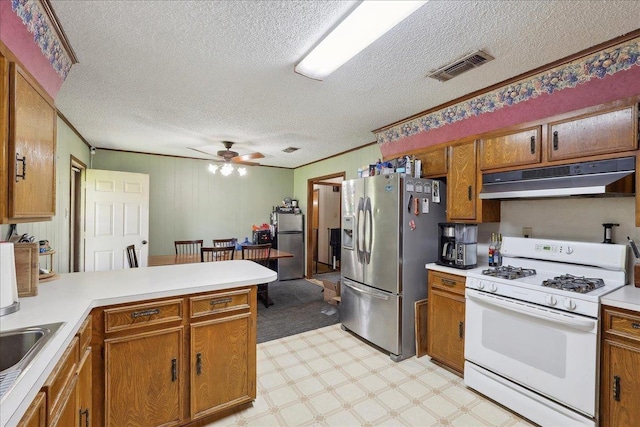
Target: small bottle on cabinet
x=492 y=250
x=497 y=255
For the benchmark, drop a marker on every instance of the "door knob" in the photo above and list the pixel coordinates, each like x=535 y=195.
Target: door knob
x=144 y=242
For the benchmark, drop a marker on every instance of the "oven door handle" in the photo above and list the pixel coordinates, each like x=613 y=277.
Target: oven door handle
x=528 y=310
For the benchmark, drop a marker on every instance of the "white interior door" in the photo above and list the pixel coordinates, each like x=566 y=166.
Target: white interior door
x=117 y=215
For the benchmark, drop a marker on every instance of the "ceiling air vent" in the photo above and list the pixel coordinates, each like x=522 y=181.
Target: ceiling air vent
x=290 y=149
x=470 y=61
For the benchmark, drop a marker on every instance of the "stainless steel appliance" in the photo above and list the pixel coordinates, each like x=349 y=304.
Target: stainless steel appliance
x=531 y=335
x=389 y=233
x=290 y=238
x=458 y=245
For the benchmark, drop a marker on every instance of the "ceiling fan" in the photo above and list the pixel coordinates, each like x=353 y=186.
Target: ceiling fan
x=228 y=156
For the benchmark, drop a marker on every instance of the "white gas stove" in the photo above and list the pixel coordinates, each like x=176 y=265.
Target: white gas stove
x=531 y=327
x=568 y=276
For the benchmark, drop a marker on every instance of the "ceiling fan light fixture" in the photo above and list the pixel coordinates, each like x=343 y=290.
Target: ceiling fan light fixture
x=226 y=169
x=368 y=22
x=242 y=171
x=213 y=168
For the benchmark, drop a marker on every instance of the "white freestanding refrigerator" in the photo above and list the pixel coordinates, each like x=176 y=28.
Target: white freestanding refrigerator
x=389 y=233
x=290 y=238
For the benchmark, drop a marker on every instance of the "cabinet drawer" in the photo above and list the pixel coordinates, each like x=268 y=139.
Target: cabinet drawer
x=61 y=376
x=139 y=315
x=448 y=282
x=84 y=335
x=622 y=323
x=221 y=302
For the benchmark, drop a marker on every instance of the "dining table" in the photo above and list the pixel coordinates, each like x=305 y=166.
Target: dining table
x=156 y=260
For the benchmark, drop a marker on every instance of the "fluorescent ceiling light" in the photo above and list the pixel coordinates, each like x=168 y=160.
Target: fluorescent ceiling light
x=370 y=20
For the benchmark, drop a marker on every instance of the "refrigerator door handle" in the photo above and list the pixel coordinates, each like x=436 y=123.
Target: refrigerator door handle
x=369 y=236
x=360 y=236
x=372 y=294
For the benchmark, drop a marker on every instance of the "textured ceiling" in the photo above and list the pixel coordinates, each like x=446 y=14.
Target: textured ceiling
x=163 y=76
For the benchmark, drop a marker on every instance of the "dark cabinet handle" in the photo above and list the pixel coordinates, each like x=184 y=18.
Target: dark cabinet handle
x=616 y=388
x=448 y=282
x=174 y=370
x=461 y=329
x=469 y=190
x=143 y=313
x=198 y=363
x=220 y=301
x=24 y=167
x=533 y=145
x=555 y=140
x=86 y=420
x=635 y=325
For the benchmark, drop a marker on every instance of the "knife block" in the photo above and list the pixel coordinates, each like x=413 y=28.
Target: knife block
x=27 y=268
x=636 y=275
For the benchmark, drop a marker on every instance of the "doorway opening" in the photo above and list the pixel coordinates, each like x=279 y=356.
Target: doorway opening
x=324 y=197
x=76 y=219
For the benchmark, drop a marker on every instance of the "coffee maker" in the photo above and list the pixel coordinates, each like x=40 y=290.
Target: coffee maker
x=458 y=245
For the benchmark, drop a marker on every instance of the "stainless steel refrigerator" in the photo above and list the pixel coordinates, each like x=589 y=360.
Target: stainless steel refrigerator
x=389 y=233
x=290 y=238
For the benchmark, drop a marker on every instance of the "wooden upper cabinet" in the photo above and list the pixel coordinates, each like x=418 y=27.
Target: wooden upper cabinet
x=434 y=162
x=4 y=135
x=513 y=149
x=461 y=182
x=592 y=134
x=32 y=147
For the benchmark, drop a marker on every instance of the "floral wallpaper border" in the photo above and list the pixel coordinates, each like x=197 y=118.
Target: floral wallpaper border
x=599 y=65
x=37 y=23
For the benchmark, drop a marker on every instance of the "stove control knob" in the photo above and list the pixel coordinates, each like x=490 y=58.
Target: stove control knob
x=551 y=300
x=493 y=287
x=569 y=250
x=569 y=304
x=480 y=284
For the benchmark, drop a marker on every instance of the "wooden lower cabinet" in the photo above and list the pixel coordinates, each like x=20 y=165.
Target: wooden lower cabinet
x=143 y=382
x=65 y=400
x=175 y=360
x=445 y=319
x=620 y=370
x=85 y=401
x=36 y=415
x=220 y=353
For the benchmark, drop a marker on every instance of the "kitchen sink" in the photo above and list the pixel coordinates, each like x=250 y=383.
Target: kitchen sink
x=18 y=348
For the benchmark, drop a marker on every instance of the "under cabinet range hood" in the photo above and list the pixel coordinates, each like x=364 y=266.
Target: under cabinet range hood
x=597 y=178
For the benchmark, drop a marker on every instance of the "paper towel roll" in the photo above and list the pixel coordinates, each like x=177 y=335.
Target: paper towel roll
x=8 y=282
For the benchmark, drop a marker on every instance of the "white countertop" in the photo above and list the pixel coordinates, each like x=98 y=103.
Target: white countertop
x=626 y=297
x=71 y=298
x=451 y=270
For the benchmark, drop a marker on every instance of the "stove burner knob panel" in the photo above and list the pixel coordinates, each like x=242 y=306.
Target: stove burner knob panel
x=550 y=300
x=569 y=304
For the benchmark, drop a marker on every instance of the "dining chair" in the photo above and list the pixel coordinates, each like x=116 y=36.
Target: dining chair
x=260 y=255
x=222 y=253
x=132 y=257
x=188 y=247
x=224 y=242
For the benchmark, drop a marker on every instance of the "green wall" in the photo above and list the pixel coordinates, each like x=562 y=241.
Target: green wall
x=187 y=202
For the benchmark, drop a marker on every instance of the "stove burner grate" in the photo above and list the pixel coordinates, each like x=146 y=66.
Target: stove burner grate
x=509 y=272
x=568 y=282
